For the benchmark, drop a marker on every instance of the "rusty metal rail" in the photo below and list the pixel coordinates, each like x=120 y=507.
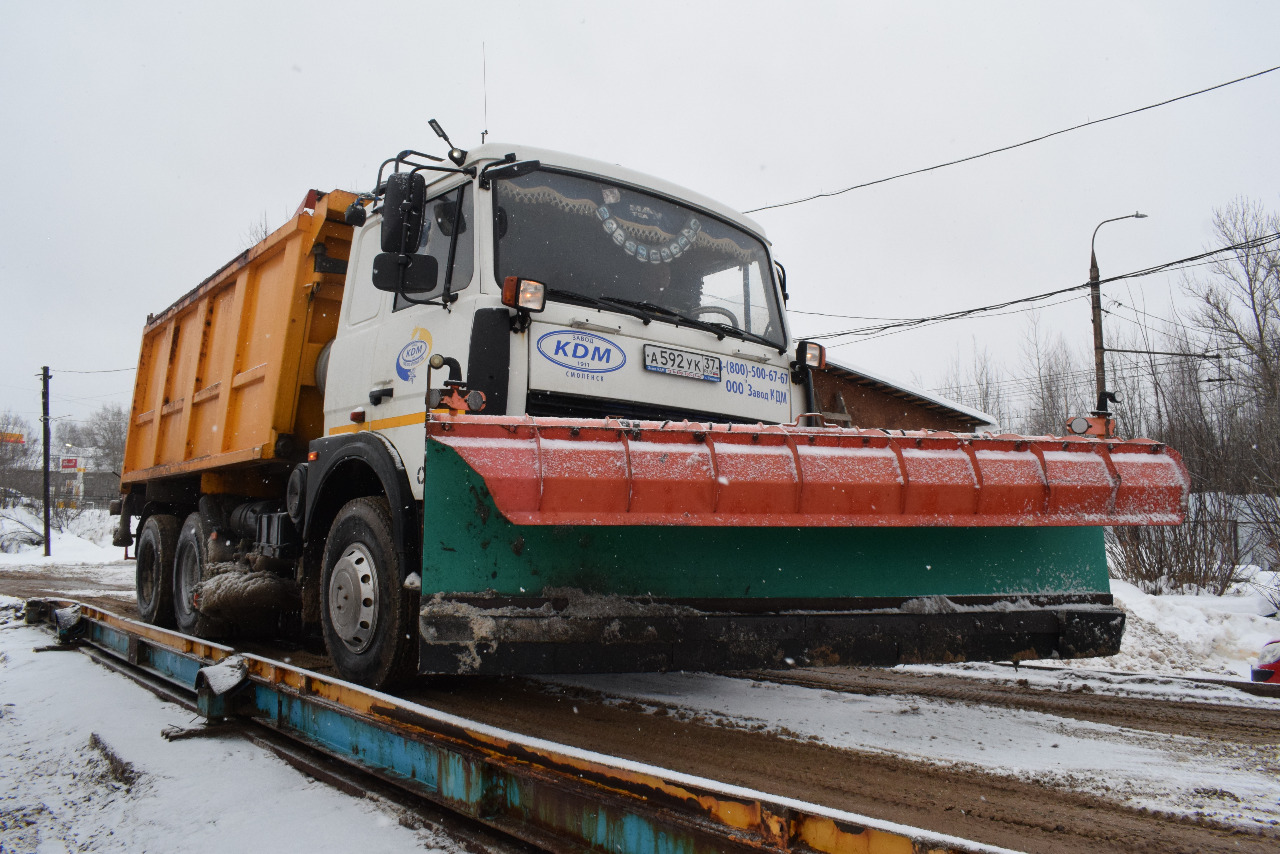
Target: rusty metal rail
x=553 y=796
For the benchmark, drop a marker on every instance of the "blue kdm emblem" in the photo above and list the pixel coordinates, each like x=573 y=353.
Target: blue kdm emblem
x=412 y=354
x=581 y=351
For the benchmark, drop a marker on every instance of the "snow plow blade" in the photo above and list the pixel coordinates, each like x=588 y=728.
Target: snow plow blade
x=566 y=545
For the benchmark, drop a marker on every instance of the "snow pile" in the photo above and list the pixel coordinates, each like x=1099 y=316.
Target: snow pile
x=1189 y=635
x=85 y=539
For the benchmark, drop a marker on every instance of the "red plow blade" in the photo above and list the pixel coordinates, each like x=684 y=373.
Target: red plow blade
x=551 y=471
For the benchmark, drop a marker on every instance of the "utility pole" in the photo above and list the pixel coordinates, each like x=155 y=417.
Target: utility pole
x=1095 y=299
x=44 y=419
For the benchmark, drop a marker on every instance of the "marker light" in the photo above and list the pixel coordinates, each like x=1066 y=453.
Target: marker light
x=812 y=354
x=524 y=294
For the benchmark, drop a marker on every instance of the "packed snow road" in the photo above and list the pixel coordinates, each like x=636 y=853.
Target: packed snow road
x=1033 y=760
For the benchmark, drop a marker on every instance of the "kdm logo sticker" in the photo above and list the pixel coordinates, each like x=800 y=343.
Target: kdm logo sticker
x=413 y=354
x=582 y=351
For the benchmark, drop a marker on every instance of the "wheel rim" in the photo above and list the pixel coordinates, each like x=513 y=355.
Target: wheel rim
x=184 y=583
x=353 y=598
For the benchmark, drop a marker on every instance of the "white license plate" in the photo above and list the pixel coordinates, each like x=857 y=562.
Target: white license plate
x=682 y=363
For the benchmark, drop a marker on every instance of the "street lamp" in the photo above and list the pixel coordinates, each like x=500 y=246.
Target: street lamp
x=1095 y=297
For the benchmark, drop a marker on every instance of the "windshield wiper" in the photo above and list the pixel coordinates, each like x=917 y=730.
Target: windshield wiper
x=720 y=330
x=747 y=336
x=661 y=311
x=596 y=302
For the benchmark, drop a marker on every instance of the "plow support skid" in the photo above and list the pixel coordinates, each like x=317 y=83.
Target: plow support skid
x=546 y=471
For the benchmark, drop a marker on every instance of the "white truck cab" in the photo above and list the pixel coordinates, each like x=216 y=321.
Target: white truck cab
x=657 y=303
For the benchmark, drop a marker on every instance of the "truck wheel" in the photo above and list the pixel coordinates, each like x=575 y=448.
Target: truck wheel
x=190 y=558
x=154 y=573
x=370 y=620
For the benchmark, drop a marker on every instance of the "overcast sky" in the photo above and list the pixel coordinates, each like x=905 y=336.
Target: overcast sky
x=142 y=141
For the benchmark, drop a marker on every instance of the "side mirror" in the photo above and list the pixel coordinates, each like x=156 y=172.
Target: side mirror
x=402 y=206
x=355 y=214
x=408 y=274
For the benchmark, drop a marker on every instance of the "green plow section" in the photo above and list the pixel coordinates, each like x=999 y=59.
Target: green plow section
x=480 y=572
x=469 y=547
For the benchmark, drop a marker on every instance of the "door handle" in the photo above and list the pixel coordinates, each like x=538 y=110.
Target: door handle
x=377 y=395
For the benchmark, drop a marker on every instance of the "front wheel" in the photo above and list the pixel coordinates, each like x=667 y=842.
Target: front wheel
x=369 y=619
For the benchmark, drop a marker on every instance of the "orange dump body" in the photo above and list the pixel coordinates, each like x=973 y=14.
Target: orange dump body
x=226 y=375
x=546 y=471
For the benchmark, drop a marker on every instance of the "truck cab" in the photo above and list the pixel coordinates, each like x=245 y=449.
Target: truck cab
x=655 y=303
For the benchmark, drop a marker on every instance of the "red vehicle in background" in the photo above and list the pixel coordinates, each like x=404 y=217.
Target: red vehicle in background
x=1268 y=667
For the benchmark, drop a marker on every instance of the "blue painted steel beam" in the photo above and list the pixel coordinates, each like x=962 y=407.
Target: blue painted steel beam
x=553 y=796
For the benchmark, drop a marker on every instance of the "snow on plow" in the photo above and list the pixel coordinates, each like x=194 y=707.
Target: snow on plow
x=569 y=471
x=556 y=545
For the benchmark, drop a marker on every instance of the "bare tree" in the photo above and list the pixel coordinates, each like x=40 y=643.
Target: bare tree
x=108 y=428
x=1238 y=311
x=1200 y=554
x=67 y=432
x=102 y=434
x=257 y=232
x=1057 y=388
x=981 y=386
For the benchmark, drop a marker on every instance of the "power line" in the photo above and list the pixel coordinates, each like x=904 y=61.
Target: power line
x=869 y=332
x=109 y=371
x=1022 y=386
x=910 y=319
x=1013 y=146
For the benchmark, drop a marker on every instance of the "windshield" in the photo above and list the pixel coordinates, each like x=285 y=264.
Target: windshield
x=586 y=237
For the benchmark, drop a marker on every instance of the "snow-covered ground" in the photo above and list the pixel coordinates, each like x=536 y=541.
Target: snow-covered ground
x=85 y=540
x=62 y=718
x=1157 y=771
x=1173 y=636
x=85 y=768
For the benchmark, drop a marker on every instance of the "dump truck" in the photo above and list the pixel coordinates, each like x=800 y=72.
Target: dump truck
x=519 y=411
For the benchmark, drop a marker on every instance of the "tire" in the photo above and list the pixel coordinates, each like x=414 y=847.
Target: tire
x=189 y=562
x=153 y=578
x=369 y=619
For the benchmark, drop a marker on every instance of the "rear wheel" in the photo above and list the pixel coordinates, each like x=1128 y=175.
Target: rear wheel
x=369 y=619
x=153 y=576
x=189 y=562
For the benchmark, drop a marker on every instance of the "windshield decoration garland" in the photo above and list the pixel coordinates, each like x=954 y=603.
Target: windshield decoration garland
x=651 y=254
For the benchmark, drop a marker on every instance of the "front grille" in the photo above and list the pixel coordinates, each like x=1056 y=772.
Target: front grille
x=555 y=405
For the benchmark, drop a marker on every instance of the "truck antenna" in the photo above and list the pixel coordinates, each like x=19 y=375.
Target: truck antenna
x=457 y=155
x=484 y=77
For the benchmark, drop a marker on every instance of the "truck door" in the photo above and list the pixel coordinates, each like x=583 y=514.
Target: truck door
x=411 y=331
x=347 y=380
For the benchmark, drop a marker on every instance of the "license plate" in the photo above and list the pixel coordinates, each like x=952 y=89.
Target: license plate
x=681 y=363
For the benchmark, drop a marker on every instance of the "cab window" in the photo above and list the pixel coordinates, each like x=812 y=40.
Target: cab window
x=447 y=213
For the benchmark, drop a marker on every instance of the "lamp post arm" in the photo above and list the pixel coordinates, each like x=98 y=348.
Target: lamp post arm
x=1095 y=304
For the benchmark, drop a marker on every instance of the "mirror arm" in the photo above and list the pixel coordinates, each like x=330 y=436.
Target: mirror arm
x=402 y=157
x=453 y=245
x=782 y=280
x=485 y=182
x=381 y=187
